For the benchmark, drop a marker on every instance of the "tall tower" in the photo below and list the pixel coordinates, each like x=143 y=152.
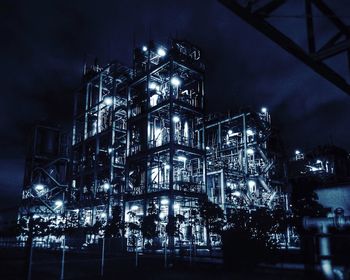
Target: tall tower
x=99 y=142
x=46 y=173
x=165 y=164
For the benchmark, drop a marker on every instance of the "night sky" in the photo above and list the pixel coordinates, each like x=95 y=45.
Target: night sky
x=44 y=44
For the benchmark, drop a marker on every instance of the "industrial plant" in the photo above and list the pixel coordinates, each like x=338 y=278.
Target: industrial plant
x=143 y=145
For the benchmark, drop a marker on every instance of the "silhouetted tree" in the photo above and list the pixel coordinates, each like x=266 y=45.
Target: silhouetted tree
x=213 y=218
x=115 y=226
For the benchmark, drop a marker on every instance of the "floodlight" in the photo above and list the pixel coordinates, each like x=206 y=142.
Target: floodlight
x=39 y=187
x=175 y=81
x=250 y=132
x=236 y=193
x=58 y=203
x=108 y=101
x=164 y=201
x=176 y=119
x=106 y=186
x=161 y=52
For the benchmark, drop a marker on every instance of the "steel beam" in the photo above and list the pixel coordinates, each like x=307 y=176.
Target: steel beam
x=314 y=62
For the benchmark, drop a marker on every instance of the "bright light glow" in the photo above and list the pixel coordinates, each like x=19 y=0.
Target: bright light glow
x=230 y=132
x=251 y=184
x=134 y=208
x=175 y=81
x=152 y=85
x=264 y=110
x=104 y=215
x=158 y=136
x=58 y=203
x=106 y=186
x=236 y=193
x=162 y=215
x=176 y=119
x=110 y=150
x=108 y=101
x=161 y=52
x=228 y=184
x=182 y=158
x=318 y=161
x=250 y=151
x=176 y=206
x=144 y=48
x=186 y=131
x=164 y=201
x=250 y=132
x=297 y=152
x=154 y=100
x=207 y=148
x=39 y=187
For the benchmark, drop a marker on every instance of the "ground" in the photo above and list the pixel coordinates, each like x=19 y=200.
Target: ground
x=87 y=265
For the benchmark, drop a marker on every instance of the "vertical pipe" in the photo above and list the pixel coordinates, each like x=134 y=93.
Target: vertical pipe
x=325 y=253
x=63 y=257
x=245 y=158
x=64 y=239
x=222 y=190
x=103 y=256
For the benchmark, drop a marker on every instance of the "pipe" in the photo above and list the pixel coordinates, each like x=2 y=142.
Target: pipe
x=323 y=224
x=263 y=184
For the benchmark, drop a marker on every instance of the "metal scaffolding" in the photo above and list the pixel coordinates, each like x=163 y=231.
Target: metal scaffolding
x=98 y=143
x=141 y=143
x=244 y=161
x=46 y=175
x=165 y=167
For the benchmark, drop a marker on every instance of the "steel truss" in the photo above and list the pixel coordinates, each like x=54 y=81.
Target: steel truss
x=258 y=13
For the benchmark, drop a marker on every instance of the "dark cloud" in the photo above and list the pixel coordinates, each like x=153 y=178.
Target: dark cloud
x=44 y=44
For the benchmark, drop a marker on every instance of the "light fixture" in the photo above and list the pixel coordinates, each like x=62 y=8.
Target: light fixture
x=250 y=151
x=58 y=203
x=176 y=119
x=106 y=186
x=134 y=208
x=250 y=132
x=161 y=52
x=182 y=158
x=264 y=110
x=230 y=132
x=297 y=152
x=39 y=187
x=236 y=193
x=152 y=85
x=144 y=48
x=207 y=148
x=162 y=215
x=110 y=150
x=108 y=100
x=164 y=201
x=176 y=206
x=175 y=81
x=251 y=184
